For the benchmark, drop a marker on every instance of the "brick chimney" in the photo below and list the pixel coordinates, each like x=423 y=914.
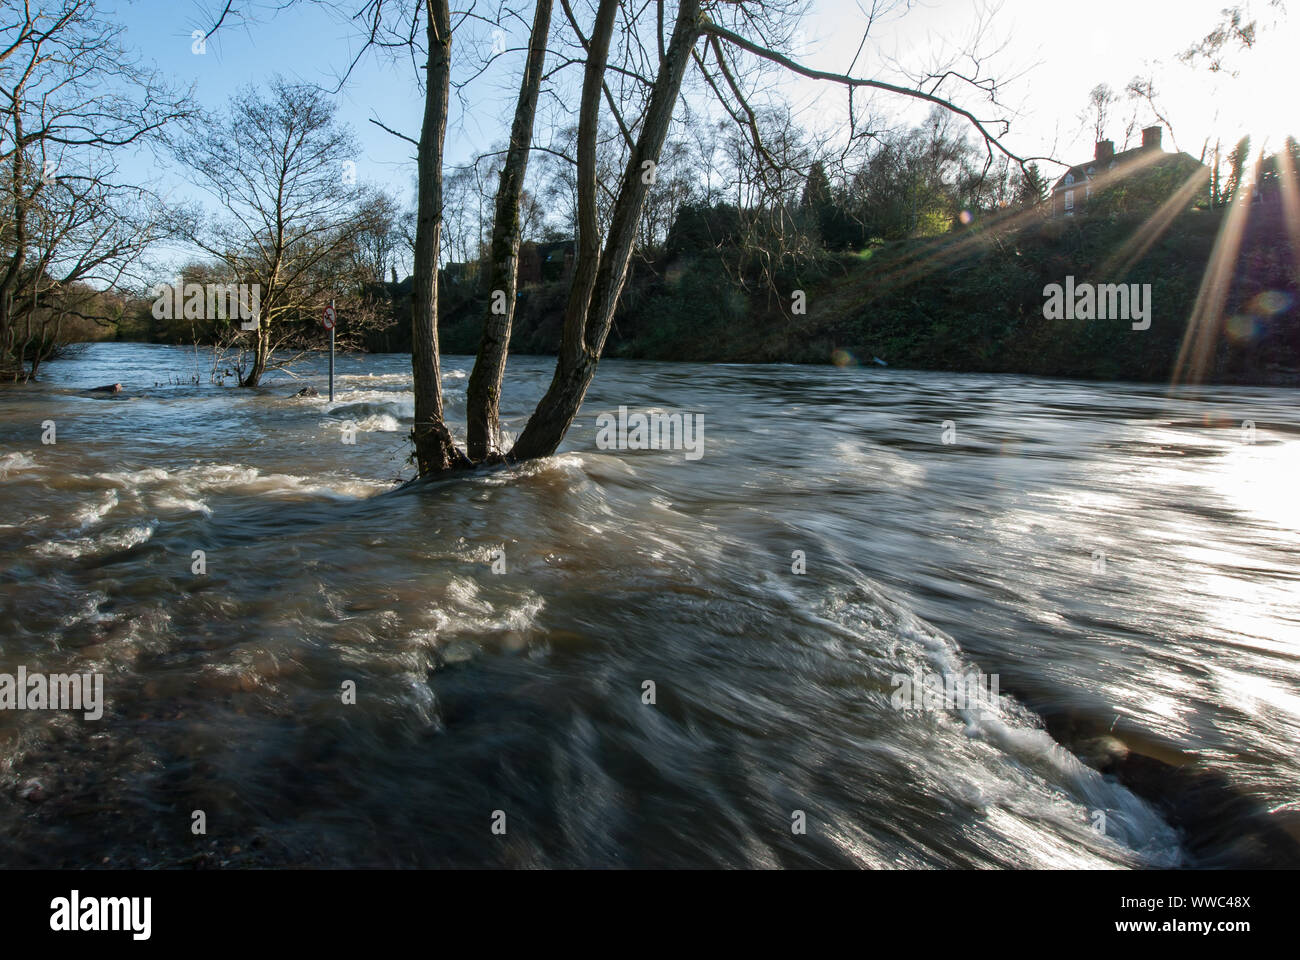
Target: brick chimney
x=1105 y=151
x=1151 y=139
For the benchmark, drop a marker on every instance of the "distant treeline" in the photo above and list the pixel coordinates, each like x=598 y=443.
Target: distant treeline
x=968 y=300
x=920 y=259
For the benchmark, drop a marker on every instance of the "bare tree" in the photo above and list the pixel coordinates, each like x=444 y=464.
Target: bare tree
x=376 y=241
x=1101 y=99
x=1236 y=31
x=69 y=96
x=483 y=396
x=599 y=273
x=1143 y=91
x=276 y=166
x=634 y=66
x=462 y=224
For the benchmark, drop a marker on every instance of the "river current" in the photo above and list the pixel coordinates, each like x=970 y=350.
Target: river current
x=625 y=657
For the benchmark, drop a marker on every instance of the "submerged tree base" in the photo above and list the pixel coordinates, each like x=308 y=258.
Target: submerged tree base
x=435 y=450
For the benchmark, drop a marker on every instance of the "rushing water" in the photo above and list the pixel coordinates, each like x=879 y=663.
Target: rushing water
x=1123 y=558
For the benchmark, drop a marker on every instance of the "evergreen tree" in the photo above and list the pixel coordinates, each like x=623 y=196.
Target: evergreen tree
x=817 y=190
x=1236 y=168
x=816 y=202
x=1032 y=188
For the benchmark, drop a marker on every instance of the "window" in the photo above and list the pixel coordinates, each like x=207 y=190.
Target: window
x=1069 y=202
x=1069 y=179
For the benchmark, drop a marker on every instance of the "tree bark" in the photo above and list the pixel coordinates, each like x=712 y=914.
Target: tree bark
x=483 y=396
x=435 y=451
x=18 y=259
x=599 y=276
x=261 y=350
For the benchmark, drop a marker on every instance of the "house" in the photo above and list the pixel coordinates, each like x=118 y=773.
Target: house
x=1106 y=169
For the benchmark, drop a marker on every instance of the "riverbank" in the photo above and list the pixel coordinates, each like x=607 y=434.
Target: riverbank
x=971 y=301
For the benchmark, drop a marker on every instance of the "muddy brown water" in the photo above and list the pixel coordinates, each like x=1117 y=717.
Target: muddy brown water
x=1124 y=558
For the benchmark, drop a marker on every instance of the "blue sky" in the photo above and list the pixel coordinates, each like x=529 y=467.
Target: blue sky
x=307 y=44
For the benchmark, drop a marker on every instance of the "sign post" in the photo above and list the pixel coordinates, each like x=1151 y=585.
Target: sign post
x=327 y=322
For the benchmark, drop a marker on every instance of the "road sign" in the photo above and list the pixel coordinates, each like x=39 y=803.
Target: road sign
x=327 y=321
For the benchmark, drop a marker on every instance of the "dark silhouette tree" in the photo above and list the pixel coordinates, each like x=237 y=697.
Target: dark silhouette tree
x=1236 y=169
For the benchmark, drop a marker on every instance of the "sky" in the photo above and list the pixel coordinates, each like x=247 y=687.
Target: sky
x=1046 y=64
x=1051 y=60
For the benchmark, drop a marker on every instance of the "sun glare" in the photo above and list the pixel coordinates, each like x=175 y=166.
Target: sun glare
x=1255 y=102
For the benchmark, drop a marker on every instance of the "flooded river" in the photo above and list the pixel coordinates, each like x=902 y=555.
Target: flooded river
x=620 y=657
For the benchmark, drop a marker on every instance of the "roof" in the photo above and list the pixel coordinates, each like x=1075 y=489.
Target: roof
x=1118 y=165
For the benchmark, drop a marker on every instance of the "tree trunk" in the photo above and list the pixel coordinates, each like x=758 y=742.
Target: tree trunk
x=591 y=310
x=483 y=396
x=17 y=260
x=435 y=451
x=261 y=350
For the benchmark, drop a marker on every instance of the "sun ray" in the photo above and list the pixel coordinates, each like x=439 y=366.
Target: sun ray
x=1290 y=181
x=1206 y=322
x=943 y=251
x=1154 y=227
